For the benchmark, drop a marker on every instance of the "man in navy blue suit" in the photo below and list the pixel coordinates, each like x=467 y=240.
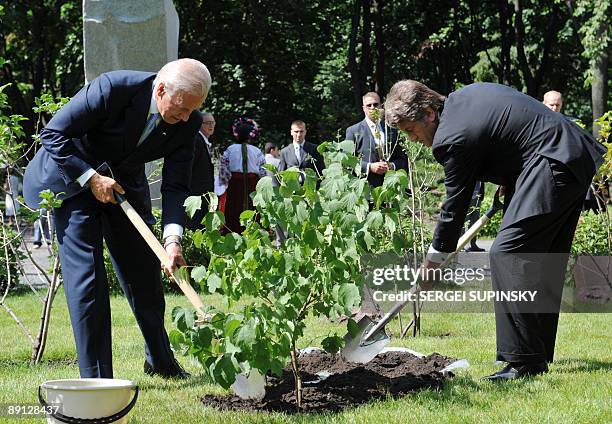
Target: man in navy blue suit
x=95 y=145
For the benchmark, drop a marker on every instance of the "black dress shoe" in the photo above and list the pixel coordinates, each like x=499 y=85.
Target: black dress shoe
x=474 y=248
x=174 y=371
x=516 y=370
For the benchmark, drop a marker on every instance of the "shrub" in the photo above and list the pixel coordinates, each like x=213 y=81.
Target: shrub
x=591 y=237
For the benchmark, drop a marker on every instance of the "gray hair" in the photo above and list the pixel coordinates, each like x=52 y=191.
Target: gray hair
x=552 y=93
x=185 y=75
x=408 y=100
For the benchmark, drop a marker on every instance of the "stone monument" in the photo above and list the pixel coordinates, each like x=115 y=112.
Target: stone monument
x=140 y=35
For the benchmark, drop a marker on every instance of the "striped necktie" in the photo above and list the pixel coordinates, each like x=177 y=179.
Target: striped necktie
x=149 y=127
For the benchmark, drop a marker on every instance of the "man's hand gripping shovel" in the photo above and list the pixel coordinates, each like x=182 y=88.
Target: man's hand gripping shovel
x=370 y=337
x=161 y=254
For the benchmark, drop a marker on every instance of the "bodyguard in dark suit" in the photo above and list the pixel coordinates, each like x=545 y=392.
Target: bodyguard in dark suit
x=300 y=153
x=202 y=170
x=490 y=132
x=96 y=144
x=368 y=136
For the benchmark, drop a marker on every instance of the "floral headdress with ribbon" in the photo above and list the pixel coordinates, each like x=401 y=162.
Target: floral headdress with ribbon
x=245 y=121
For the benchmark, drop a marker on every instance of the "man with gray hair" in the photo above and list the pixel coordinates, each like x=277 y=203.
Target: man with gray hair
x=553 y=100
x=96 y=145
x=490 y=132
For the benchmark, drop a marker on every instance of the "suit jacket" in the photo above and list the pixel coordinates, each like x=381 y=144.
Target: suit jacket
x=310 y=159
x=365 y=147
x=490 y=132
x=101 y=124
x=202 y=178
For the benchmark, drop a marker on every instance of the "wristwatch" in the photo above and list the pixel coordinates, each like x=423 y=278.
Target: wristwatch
x=172 y=239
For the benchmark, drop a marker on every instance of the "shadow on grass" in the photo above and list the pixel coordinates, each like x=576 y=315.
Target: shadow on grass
x=569 y=366
x=22 y=361
x=160 y=383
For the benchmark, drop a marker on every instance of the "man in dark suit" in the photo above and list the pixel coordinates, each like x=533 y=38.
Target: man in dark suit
x=379 y=151
x=489 y=132
x=98 y=143
x=300 y=153
x=202 y=170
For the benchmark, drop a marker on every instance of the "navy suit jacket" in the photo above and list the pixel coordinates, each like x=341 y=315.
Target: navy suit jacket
x=365 y=147
x=490 y=132
x=311 y=159
x=202 y=179
x=101 y=124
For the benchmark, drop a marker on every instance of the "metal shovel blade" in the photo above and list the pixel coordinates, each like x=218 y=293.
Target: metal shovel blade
x=356 y=349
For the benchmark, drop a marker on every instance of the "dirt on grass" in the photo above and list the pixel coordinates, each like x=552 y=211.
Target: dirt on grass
x=388 y=374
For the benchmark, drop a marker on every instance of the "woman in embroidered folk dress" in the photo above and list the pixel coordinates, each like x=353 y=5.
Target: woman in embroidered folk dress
x=240 y=169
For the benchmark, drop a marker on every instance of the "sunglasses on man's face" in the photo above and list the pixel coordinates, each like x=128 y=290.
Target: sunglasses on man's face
x=371 y=105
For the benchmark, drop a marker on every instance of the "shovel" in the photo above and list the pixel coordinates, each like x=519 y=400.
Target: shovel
x=371 y=337
x=161 y=254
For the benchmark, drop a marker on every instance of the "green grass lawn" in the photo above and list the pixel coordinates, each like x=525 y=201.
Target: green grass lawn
x=577 y=390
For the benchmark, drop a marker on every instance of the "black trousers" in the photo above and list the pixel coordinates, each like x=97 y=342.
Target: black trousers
x=82 y=223
x=532 y=254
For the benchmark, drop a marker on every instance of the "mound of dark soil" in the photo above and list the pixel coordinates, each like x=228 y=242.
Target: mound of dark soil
x=350 y=384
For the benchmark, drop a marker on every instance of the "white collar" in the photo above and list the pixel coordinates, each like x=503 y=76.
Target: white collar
x=204 y=137
x=298 y=144
x=153 y=105
x=370 y=123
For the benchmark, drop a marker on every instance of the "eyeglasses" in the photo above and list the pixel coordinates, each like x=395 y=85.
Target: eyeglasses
x=208 y=123
x=372 y=105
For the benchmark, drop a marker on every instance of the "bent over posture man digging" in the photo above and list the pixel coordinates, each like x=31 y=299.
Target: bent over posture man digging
x=489 y=132
x=118 y=122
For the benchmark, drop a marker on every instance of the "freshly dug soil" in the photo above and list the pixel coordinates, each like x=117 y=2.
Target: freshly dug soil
x=351 y=384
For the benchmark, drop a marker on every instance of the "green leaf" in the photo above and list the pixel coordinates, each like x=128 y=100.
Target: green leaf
x=374 y=219
x=347 y=146
x=192 y=205
x=247 y=216
x=332 y=344
x=231 y=325
x=264 y=192
x=348 y=296
x=177 y=339
x=352 y=327
x=224 y=371
x=246 y=336
x=202 y=338
x=213 y=283
x=184 y=318
x=213 y=220
x=198 y=273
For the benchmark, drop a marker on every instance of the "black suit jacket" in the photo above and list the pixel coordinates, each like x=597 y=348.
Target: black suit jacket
x=365 y=147
x=311 y=159
x=490 y=132
x=102 y=123
x=202 y=179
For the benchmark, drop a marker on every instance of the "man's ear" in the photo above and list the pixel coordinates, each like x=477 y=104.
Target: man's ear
x=160 y=89
x=430 y=114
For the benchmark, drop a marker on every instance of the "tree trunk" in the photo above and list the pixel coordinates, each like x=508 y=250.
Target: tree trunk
x=520 y=49
x=38 y=348
x=379 y=74
x=505 y=18
x=352 y=55
x=599 y=86
x=295 y=367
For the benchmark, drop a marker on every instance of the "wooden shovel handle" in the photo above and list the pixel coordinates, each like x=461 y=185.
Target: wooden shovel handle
x=160 y=252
